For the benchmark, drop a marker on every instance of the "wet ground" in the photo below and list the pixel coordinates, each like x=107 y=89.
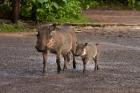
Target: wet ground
x=119 y=61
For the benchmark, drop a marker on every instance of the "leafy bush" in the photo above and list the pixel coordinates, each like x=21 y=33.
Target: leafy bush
x=26 y=9
x=131 y=3
x=138 y=5
x=50 y=10
x=89 y=3
x=71 y=9
x=5 y=9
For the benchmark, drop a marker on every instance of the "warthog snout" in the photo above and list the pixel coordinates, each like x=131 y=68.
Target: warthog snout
x=80 y=49
x=40 y=48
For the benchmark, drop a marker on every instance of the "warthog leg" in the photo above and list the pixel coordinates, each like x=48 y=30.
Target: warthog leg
x=74 y=61
x=96 y=65
x=58 y=63
x=65 y=61
x=84 y=64
x=45 y=55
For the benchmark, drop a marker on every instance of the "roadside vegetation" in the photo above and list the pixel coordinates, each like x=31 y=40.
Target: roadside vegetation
x=63 y=10
x=67 y=10
x=18 y=27
x=60 y=11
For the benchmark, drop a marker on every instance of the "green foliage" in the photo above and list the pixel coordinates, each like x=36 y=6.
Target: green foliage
x=26 y=9
x=89 y=3
x=56 y=10
x=5 y=8
x=50 y=10
x=71 y=9
x=137 y=5
x=134 y=4
x=19 y=27
x=131 y=3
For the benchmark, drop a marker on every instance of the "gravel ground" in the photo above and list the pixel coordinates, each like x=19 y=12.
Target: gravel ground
x=21 y=65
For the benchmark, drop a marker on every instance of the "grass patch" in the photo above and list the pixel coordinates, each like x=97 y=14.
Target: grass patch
x=25 y=26
x=19 y=27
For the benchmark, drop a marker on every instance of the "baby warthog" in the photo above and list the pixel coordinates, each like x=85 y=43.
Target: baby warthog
x=60 y=41
x=87 y=52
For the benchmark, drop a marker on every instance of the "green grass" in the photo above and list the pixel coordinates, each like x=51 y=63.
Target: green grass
x=19 y=27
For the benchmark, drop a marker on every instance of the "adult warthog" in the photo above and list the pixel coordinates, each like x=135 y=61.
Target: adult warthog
x=60 y=41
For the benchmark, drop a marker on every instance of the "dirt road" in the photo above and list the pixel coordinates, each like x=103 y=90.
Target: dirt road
x=114 y=16
x=119 y=60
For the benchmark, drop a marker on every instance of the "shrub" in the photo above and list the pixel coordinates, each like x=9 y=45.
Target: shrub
x=50 y=10
x=131 y=3
x=5 y=9
x=26 y=9
x=85 y=4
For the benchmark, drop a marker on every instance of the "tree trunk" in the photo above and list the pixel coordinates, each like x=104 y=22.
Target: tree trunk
x=15 y=10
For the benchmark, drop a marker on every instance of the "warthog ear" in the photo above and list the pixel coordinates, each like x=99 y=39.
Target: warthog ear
x=52 y=27
x=86 y=44
x=51 y=33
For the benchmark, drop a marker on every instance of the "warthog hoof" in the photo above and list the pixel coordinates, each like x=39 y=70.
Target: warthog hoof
x=64 y=68
x=74 y=66
x=58 y=70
